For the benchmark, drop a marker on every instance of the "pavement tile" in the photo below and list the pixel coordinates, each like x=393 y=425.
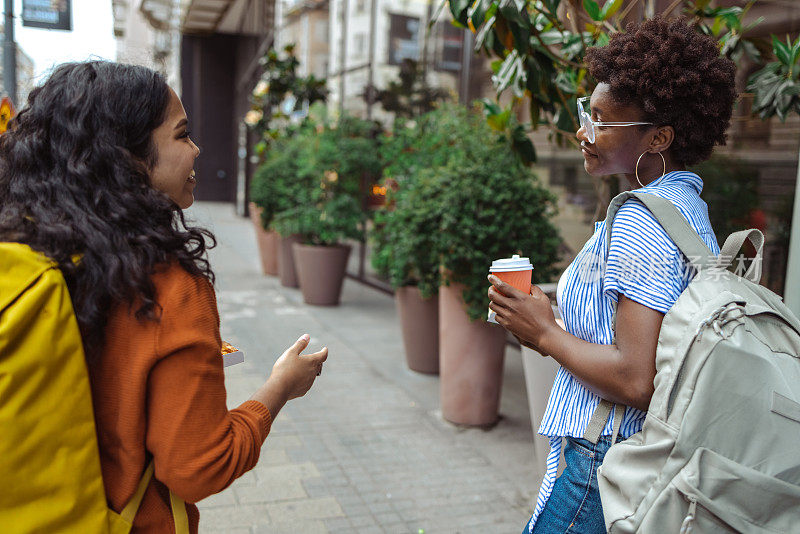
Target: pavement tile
x=271 y=492
x=223 y=498
x=387 y=518
x=362 y=520
x=302 y=509
x=231 y=517
x=295 y=527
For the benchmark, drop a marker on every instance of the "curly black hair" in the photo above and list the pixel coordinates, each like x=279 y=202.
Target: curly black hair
x=75 y=180
x=676 y=76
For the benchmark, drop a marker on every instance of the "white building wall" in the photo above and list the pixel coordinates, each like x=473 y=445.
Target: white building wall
x=141 y=44
x=357 y=49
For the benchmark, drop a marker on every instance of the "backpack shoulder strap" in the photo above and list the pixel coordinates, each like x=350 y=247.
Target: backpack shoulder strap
x=129 y=512
x=674 y=223
x=178 y=506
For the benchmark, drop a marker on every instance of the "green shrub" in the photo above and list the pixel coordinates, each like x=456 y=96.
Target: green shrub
x=463 y=199
x=275 y=186
x=333 y=167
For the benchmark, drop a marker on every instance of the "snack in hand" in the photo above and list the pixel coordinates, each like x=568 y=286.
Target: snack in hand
x=231 y=355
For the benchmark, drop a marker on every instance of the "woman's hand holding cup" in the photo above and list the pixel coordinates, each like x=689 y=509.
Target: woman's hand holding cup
x=529 y=317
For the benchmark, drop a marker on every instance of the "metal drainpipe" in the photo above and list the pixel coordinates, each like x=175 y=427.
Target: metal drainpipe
x=10 y=55
x=343 y=55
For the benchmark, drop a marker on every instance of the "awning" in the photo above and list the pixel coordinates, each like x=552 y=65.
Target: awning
x=237 y=17
x=204 y=16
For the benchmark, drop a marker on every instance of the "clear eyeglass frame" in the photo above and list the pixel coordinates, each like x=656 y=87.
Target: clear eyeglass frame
x=588 y=124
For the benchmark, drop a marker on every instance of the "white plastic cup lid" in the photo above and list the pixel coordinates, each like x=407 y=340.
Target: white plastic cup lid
x=514 y=263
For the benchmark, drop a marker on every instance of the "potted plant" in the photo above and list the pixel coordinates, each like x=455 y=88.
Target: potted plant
x=334 y=166
x=406 y=229
x=404 y=236
x=491 y=206
x=280 y=103
x=276 y=187
x=267 y=241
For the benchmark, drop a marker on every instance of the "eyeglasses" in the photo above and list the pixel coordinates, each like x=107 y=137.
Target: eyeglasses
x=588 y=124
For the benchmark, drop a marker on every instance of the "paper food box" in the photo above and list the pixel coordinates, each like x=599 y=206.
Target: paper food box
x=231 y=355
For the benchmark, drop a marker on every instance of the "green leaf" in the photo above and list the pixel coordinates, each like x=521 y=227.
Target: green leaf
x=499 y=121
x=592 y=9
x=517 y=25
x=717 y=26
x=492 y=108
x=751 y=50
x=610 y=8
x=509 y=71
x=522 y=145
x=486 y=30
x=795 y=52
x=477 y=12
x=458 y=8
x=781 y=51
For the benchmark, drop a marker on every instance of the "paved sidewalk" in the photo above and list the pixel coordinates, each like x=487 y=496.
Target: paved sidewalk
x=366 y=450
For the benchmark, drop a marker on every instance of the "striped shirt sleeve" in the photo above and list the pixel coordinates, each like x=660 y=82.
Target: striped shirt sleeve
x=644 y=264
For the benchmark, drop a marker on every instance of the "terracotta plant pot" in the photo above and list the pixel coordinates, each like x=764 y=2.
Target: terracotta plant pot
x=471 y=362
x=419 y=320
x=268 y=243
x=320 y=271
x=286 y=265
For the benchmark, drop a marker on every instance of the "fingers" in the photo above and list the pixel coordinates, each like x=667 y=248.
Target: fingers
x=501 y=286
x=301 y=344
x=319 y=357
x=497 y=297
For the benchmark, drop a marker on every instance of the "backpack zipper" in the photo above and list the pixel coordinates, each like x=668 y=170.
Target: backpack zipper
x=719 y=318
x=686 y=526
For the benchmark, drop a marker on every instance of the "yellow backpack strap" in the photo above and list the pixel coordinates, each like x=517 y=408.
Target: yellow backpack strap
x=178 y=506
x=179 y=514
x=129 y=512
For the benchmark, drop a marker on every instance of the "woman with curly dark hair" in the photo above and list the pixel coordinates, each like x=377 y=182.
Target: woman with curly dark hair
x=664 y=99
x=94 y=173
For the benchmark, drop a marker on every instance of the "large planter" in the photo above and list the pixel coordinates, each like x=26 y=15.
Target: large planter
x=268 y=243
x=320 y=270
x=540 y=372
x=286 y=266
x=471 y=362
x=419 y=321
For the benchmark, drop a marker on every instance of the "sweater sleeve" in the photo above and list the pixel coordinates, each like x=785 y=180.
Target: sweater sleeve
x=199 y=446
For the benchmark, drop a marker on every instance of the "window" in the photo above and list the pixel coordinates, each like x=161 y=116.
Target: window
x=403 y=38
x=360 y=45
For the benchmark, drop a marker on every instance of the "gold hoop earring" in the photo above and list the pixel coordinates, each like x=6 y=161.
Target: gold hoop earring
x=640 y=159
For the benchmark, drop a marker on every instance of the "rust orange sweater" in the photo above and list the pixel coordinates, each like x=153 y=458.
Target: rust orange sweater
x=158 y=392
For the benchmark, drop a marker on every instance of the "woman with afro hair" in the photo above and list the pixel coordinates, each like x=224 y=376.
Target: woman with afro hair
x=664 y=99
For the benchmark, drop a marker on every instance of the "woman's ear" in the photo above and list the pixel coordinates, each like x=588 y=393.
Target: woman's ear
x=662 y=139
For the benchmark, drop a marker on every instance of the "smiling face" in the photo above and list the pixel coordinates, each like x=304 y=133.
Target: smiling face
x=173 y=173
x=615 y=148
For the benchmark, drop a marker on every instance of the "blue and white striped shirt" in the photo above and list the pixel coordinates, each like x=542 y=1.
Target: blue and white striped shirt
x=642 y=263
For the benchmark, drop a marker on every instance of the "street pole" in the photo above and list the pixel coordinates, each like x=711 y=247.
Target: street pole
x=343 y=55
x=791 y=292
x=10 y=54
x=373 y=20
x=466 y=59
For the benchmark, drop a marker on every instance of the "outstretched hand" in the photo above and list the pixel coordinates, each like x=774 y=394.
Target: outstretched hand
x=295 y=372
x=527 y=317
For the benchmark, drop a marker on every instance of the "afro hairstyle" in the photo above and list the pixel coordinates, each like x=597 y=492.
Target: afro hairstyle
x=676 y=76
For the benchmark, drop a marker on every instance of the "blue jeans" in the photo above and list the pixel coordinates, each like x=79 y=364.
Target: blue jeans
x=574 y=505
